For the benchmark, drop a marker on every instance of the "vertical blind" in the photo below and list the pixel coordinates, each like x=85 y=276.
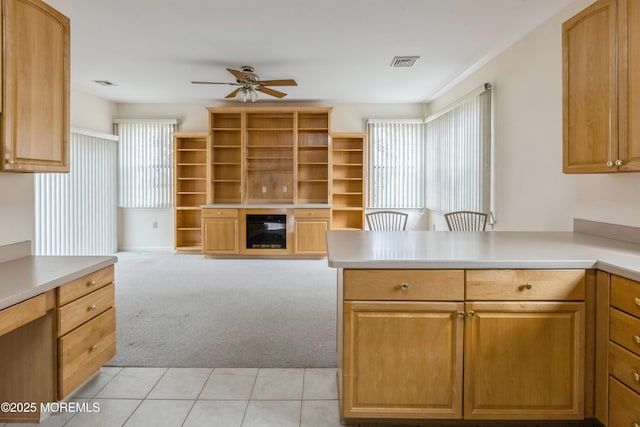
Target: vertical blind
x=458 y=155
x=442 y=163
x=76 y=212
x=145 y=162
x=396 y=174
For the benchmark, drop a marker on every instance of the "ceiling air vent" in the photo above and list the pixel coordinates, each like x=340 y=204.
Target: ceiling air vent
x=404 y=61
x=104 y=83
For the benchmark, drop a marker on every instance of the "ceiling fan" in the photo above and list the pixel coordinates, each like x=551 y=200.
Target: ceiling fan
x=250 y=84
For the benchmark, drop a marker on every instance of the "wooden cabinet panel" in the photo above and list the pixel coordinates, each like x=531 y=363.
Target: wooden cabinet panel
x=35 y=98
x=524 y=360
x=20 y=314
x=525 y=285
x=83 y=309
x=84 y=350
x=624 y=409
x=84 y=285
x=625 y=366
x=404 y=285
x=402 y=360
x=625 y=330
x=310 y=236
x=625 y=295
x=629 y=84
x=220 y=235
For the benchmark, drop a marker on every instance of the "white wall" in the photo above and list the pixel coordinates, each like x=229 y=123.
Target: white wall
x=531 y=192
x=17 y=209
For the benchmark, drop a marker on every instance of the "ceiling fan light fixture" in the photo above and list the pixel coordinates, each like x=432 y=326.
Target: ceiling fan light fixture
x=246 y=94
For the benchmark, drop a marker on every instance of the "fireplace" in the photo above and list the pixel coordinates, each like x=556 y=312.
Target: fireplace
x=266 y=231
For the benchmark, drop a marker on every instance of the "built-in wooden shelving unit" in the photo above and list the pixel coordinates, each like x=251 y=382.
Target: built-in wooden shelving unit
x=269 y=155
x=348 y=180
x=190 y=186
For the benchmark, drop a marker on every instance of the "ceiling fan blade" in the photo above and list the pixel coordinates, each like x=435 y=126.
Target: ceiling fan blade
x=234 y=93
x=239 y=75
x=271 y=92
x=213 y=83
x=285 y=82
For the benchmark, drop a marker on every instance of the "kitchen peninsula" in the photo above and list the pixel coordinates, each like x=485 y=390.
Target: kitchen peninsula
x=488 y=325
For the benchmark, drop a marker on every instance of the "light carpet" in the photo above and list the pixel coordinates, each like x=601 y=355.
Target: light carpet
x=177 y=310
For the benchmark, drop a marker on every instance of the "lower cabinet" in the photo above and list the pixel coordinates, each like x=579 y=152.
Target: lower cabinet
x=86 y=328
x=310 y=228
x=220 y=231
x=405 y=334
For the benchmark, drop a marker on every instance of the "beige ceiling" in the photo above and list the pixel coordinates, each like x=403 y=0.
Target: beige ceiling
x=337 y=50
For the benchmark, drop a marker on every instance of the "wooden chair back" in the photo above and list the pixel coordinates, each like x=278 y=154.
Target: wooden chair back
x=466 y=221
x=387 y=220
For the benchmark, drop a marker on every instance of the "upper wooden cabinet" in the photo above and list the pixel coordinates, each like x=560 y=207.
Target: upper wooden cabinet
x=35 y=84
x=601 y=60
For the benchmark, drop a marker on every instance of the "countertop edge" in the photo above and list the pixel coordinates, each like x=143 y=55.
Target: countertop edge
x=57 y=280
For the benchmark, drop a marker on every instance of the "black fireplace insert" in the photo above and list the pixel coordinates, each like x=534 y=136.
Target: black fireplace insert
x=266 y=231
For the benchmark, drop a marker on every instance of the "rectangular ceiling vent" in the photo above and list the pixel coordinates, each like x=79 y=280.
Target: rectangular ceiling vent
x=404 y=61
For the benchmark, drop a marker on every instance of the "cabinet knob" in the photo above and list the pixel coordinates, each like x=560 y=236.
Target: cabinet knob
x=404 y=286
x=93 y=348
x=618 y=162
x=635 y=425
x=461 y=314
x=91 y=308
x=471 y=313
x=636 y=376
x=609 y=164
x=637 y=301
x=91 y=283
x=636 y=339
x=9 y=161
x=524 y=287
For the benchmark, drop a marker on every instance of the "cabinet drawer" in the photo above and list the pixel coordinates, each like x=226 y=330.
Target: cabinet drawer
x=219 y=213
x=625 y=295
x=624 y=405
x=84 y=350
x=527 y=285
x=312 y=213
x=625 y=330
x=84 y=285
x=404 y=285
x=625 y=366
x=20 y=314
x=89 y=306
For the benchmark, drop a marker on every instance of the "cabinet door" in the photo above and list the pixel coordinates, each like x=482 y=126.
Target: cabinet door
x=35 y=104
x=524 y=360
x=629 y=84
x=310 y=236
x=590 y=136
x=220 y=235
x=402 y=360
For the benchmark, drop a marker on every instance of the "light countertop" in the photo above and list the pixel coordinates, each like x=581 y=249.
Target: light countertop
x=481 y=250
x=29 y=276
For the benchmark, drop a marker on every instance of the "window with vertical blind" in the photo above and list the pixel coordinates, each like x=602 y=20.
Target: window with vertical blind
x=442 y=163
x=145 y=162
x=396 y=173
x=75 y=212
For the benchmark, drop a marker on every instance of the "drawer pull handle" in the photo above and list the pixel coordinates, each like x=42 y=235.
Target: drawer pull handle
x=91 y=307
x=93 y=349
x=636 y=339
x=636 y=376
x=91 y=283
x=525 y=286
x=471 y=313
x=404 y=286
x=637 y=301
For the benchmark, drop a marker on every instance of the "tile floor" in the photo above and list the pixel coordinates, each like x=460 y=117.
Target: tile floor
x=182 y=397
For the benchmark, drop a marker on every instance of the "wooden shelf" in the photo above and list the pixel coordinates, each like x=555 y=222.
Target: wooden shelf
x=348 y=191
